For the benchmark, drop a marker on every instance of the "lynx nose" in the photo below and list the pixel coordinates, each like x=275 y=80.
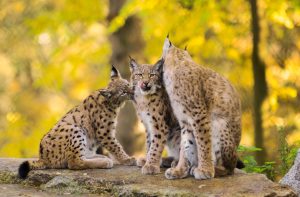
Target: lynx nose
x=145 y=86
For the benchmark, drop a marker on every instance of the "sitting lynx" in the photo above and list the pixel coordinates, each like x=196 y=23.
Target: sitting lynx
x=208 y=110
x=73 y=141
x=153 y=107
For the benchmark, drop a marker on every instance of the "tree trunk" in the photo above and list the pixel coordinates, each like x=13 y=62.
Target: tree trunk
x=260 y=84
x=124 y=42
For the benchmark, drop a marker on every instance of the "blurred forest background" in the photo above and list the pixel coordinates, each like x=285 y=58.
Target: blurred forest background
x=53 y=53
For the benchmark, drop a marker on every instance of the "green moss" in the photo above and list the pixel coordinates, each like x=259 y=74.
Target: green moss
x=9 y=178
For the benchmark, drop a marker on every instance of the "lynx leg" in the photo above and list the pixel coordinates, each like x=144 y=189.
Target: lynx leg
x=142 y=160
x=76 y=156
x=83 y=163
x=115 y=148
x=179 y=171
x=148 y=141
x=182 y=168
x=158 y=141
x=229 y=158
x=229 y=152
x=224 y=147
x=202 y=133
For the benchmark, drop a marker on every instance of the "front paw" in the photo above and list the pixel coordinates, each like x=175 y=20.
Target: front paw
x=141 y=162
x=176 y=173
x=131 y=161
x=108 y=163
x=150 y=169
x=200 y=173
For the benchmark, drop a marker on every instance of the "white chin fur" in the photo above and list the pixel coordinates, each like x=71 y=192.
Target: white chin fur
x=151 y=91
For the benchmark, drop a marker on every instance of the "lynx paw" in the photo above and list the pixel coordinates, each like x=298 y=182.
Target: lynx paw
x=131 y=161
x=176 y=173
x=150 y=169
x=109 y=163
x=141 y=162
x=202 y=174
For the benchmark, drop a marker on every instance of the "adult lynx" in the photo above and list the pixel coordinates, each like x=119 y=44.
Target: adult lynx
x=209 y=113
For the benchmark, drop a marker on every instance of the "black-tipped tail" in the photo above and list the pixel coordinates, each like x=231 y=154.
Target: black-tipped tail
x=24 y=169
x=240 y=164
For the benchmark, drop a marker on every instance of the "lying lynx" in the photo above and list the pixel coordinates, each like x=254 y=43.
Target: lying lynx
x=73 y=141
x=154 y=109
x=209 y=113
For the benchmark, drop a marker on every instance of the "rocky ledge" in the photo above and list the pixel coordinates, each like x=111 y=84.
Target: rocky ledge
x=128 y=181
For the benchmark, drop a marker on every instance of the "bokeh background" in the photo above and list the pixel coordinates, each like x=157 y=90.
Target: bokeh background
x=53 y=53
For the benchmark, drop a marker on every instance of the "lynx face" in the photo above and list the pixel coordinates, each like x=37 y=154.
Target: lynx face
x=146 y=78
x=118 y=90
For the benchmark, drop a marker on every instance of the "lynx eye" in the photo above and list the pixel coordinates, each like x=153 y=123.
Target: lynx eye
x=151 y=75
x=138 y=75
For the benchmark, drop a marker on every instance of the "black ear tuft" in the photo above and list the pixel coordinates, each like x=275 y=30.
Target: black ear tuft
x=170 y=43
x=114 y=72
x=185 y=48
x=24 y=169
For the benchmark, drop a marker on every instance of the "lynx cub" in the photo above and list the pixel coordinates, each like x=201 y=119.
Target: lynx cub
x=208 y=110
x=153 y=107
x=73 y=141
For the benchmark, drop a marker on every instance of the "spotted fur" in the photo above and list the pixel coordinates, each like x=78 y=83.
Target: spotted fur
x=154 y=109
x=208 y=110
x=73 y=141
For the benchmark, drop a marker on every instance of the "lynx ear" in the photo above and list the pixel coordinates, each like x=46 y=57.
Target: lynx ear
x=166 y=46
x=159 y=64
x=168 y=40
x=106 y=93
x=114 y=73
x=133 y=64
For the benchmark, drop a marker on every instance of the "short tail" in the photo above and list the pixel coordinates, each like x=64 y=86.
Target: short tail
x=26 y=166
x=240 y=164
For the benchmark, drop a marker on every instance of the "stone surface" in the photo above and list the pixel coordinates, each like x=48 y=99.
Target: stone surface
x=292 y=178
x=128 y=181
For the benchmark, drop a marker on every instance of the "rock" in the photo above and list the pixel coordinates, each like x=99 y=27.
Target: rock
x=63 y=185
x=19 y=190
x=59 y=182
x=292 y=178
x=128 y=181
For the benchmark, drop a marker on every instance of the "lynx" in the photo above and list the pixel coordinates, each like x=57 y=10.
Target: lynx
x=154 y=109
x=208 y=110
x=73 y=141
